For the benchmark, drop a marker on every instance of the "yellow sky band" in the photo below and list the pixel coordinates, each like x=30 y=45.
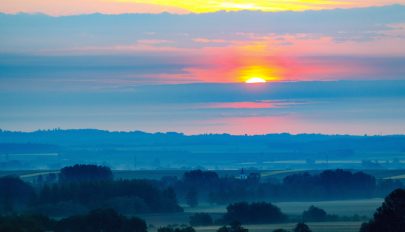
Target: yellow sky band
x=201 y=6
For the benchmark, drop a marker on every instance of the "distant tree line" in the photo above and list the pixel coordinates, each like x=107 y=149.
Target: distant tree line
x=330 y=184
x=171 y=228
x=85 y=187
x=106 y=220
x=196 y=186
x=266 y=213
x=126 y=196
x=83 y=172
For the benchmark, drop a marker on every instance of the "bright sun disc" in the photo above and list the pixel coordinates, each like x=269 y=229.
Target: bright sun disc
x=255 y=80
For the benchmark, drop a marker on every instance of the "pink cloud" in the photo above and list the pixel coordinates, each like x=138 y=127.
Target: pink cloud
x=206 y=40
x=75 y=7
x=240 y=105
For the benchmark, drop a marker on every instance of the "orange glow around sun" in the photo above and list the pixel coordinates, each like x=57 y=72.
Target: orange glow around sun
x=240 y=63
x=259 y=73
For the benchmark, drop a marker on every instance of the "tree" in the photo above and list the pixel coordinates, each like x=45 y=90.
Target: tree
x=302 y=227
x=200 y=219
x=259 y=212
x=15 y=194
x=199 y=177
x=234 y=227
x=314 y=214
x=200 y=180
x=329 y=184
x=83 y=172
x=32 y=223
x=192 y=198
x=126 y=196
x=390 y=217
x=134 y=224
x=106 y=220
x=176 y=229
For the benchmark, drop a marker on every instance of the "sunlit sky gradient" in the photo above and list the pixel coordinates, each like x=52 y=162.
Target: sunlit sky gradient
x=327 y=70
x=68 y=7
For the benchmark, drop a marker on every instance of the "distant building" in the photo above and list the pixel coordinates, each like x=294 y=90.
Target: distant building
x=242 y=175
x=253 y=176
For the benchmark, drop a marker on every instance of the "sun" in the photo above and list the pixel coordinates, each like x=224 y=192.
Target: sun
x=254 y=80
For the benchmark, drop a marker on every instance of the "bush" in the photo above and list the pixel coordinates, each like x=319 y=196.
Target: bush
x=200 y=219
x=254 y=213
x=301 y=227
x=234 y=227
x=176 y=229
x=314 y=214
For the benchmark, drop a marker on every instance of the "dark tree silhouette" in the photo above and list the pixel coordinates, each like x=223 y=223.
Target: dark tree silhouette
x=106 y=220
x=126 y=196
x=31 y=223
x=302 y=227
x=260 y=212
x=390 y=217
x=198 y=176
x=83 y=172
x=200 y=180
x=15 y=194
x=176 y=229
x=314 y=214
x=200 y=219
x=233 y=227
x=330 y=184
x=192 y=198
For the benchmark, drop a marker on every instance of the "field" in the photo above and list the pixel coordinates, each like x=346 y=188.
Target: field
x=364 y=207
x=315 y=227
x=157 y=220
x=158 y=174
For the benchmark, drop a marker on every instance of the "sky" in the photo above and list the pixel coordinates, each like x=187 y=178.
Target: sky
x=74 y=7
x=332 y=67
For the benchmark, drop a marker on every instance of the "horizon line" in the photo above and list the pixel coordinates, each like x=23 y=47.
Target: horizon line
x=197 y=13
x=197 y=134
